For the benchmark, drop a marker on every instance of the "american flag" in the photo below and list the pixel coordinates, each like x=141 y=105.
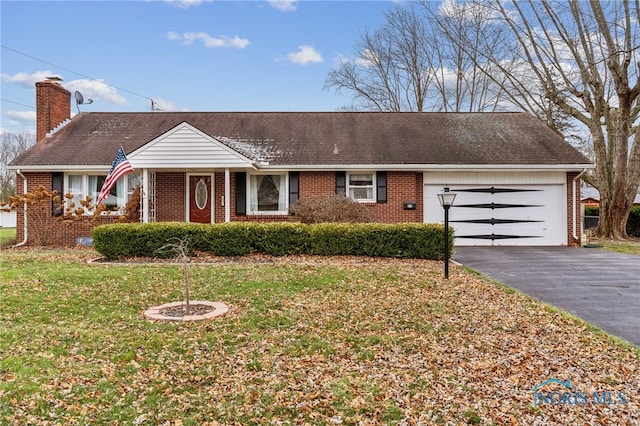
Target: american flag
x=119 y=168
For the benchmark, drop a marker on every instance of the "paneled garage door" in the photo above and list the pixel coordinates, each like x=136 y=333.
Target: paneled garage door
x=503 y=214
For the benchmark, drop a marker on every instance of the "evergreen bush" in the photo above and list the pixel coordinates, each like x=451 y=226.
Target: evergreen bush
x=411 y=240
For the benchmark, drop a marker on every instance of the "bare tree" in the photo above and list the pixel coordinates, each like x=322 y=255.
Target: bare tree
x=389 y=73
x=11 y=145
x=583 y=58
x=458 y=83
x=180 y=248
x=409 y=64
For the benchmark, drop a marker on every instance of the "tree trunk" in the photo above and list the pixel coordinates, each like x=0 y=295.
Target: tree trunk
x=613 y=219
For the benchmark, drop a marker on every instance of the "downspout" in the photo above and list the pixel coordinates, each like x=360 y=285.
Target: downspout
x=24 y=191
x=575 y=207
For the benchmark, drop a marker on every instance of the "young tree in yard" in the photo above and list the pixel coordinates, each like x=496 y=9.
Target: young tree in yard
x=11 y=145
x=180 y=248
x=583 y=59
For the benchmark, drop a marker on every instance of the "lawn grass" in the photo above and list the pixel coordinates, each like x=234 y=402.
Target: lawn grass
x=7 y=236
x=631 y=246
x=307 y=341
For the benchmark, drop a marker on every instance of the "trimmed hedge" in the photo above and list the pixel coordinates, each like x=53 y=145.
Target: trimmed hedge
x=410 y=240
x=633 y=222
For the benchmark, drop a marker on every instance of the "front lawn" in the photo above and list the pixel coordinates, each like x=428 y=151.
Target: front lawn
x=630 y=246
x=7 y=236
x=307 y=341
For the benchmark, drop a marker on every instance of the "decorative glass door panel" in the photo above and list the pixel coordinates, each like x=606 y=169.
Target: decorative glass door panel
x=200 y=199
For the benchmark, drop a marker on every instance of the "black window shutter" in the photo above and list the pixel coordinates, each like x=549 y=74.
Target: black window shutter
x=341 y=183
x=57 y=184
x=241 y=193
x=381 y=187
x=294 y=187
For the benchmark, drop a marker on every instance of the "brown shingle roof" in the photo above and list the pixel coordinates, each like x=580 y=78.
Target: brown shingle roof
x=319 y=138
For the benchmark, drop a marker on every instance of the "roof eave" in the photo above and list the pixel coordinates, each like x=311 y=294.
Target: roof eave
x=336 y=167
x=428 y=167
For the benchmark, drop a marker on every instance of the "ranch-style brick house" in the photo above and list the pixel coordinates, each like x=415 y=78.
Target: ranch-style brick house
x=517 y=181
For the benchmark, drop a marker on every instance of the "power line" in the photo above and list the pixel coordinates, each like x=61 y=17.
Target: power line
x=17 y=103
x=76 y=73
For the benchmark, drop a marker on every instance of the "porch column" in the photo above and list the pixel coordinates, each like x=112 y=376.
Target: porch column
x=145 y=196
x=227 y=195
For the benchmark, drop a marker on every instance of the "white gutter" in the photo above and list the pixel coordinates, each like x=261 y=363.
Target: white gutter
x=66 y=168
x=24 y=191
x=430 y=167
x=574 y=205
x=320 y=167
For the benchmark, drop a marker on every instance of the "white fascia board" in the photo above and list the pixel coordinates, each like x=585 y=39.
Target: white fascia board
x=62 y=167
x=510 y=167
x=427 y=167
x=339 y=167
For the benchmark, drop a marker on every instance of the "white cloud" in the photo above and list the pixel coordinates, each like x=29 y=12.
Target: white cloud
x=28 y=80
x=22 y=116
x=368 y=58
x=305 y=54
x=209 y=41
x=96 y=90
x=470 y=11
x=284 y=5
x=90 y=89
x=186 y=3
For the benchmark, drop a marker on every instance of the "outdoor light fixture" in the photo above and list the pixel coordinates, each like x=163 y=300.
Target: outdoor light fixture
x=446 y=200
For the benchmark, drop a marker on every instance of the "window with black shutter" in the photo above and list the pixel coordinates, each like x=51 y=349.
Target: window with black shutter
x=241 y=193
x=294 y=187
x=341 y=183
x=381 y=187
x=57 y=184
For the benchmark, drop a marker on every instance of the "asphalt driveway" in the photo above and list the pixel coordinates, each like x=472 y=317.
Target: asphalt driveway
x=598 y=286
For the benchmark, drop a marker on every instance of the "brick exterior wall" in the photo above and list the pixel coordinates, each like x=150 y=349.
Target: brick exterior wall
x=53 y=106
x=170 y=197
x=51 y=228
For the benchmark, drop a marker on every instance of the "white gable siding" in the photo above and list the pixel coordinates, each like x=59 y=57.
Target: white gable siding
x=186 y=147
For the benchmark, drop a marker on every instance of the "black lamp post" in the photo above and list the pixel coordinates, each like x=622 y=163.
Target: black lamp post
x=446 y=200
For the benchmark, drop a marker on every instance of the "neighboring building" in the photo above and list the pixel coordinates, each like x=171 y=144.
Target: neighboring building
x=590 y=197
x=517 y=181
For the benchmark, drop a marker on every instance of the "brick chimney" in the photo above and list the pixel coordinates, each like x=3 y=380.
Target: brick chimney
x=53 y=106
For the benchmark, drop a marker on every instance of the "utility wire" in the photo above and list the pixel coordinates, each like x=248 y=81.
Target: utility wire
x=17 y=103
x=76 y=73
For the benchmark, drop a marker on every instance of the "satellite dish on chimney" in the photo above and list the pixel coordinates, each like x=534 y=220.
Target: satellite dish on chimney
x=80 y=100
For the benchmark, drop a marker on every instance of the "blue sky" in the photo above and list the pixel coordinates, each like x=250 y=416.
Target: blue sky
x=191 y=55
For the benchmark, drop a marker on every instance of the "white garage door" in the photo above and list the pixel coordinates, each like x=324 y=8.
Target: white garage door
x=502 y=214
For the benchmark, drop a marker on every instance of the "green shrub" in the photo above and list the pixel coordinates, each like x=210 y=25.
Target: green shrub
x=592 y=211
x=411 y=240
x=229 y=239
x=633 y=222
x=280 y=238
